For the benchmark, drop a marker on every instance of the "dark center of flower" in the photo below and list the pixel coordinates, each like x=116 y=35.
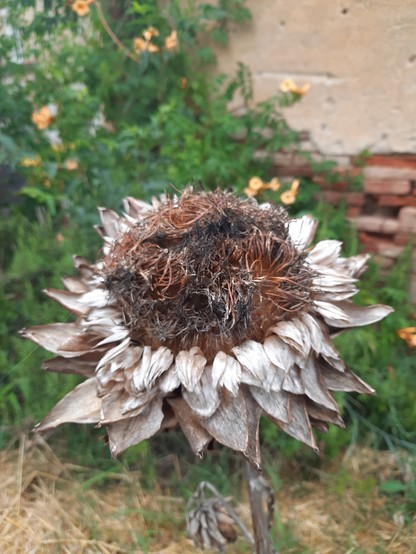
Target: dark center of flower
x=207 y=270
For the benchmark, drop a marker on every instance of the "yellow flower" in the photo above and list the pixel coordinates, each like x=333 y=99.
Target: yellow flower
x=81 y=7
x=71 y=165
x=171 y=42
x=149 y=33
x=31 y=162
x=408 y=334
x=289 y=86
x=43 y=117
x=288 y=197
x=46 y=183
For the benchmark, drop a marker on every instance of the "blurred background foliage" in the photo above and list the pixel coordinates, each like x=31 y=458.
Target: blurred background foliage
x=103 y=100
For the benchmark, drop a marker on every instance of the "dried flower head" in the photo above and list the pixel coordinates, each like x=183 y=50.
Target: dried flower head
x=205 y=311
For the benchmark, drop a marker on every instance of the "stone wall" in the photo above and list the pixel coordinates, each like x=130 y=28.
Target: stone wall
x=383 y=210
x=360 y=58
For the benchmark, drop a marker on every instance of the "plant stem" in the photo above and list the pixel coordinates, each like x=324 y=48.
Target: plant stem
x=262 y=509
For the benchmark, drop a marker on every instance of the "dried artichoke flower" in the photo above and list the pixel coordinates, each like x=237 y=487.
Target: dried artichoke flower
x=206 y=311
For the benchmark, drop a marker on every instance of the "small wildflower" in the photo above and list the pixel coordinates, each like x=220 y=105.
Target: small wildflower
x=81 y=7
x=205 y=311
x=142 y=45
x=149 y=33
x=289 y=86
x=171 y=42
x=59 y=238
x=288 y=197
x=47 y=183
x=43 y=117
x=408 y=334
x=71 y=165
x=31 y=162
x=183 y=82
x=274 y=184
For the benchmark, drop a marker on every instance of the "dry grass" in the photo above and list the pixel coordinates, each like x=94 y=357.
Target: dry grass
x=45 y=509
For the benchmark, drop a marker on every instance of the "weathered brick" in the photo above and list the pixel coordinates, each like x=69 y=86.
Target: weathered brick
x=396 y=201
x=393 y=173
x=376 y=224
x=355 y=198
x=385 y=186
x=401 y=239
x=333 y=197
x=353 y=211
x=389 y=249
x=397 y=161
x=407 y=220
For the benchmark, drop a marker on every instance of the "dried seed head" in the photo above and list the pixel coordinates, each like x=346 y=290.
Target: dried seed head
x=205 y=312
x=207 y=270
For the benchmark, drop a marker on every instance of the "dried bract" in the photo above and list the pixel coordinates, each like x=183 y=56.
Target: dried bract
x=206 y=311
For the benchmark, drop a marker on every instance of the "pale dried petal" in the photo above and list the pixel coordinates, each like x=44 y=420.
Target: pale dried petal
x=204 y=398
x=294 y=333
x=362 y=315
x=75 y=284
x=315 y=387
x=301 y=231
x=325 y=252
x=254 y=360
x=226 y=372
x=113 y=353
x=189 y=366
x=123 y=434
x=66 y=339
x=279 y=352
x=320 y=413
x=299 y=425
x=162 y=359
x=348 y=381
x=169 y=380
x=140 y=371
x=293 y=381
x=197 y=436
x=275 y=404
x=69 y=300
x=81 y=405
x=235 y=424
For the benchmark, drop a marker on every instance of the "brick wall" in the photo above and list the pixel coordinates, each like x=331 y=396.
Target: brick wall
x=383 y=208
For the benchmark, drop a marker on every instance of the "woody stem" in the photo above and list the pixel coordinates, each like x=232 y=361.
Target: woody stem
x=262 y=509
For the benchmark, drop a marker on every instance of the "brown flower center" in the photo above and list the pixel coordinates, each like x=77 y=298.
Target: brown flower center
x=207 y=270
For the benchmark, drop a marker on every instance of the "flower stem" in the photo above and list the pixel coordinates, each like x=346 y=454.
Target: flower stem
x=262 y=509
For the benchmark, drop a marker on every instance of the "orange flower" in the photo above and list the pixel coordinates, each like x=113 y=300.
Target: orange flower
x=171 y=42
x=81 y=7
x=142 y=45
x=289 y=86
x=408 y=334
x=71 y=165
x=274 y=185
x=294 y=186
x=184 y=82
x=149 y=33
x=43 y=117
x=288 y=197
